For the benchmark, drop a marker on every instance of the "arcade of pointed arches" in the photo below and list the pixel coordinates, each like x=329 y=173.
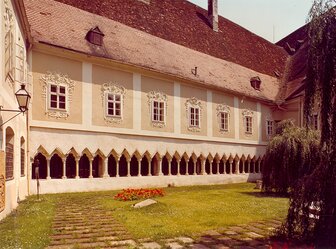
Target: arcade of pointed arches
x=59 y=165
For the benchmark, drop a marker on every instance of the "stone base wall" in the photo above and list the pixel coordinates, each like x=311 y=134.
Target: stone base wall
x=103 y=184
x=2 y=181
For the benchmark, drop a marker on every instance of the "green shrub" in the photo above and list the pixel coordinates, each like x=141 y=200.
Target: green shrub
x=291 y=154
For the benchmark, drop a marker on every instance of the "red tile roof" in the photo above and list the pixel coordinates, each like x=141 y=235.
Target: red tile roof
x=64 y=26
x=184 y=23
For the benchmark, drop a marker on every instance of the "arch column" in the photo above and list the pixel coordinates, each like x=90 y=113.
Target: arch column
x=178 y=166
x=237 y=167
x=210 y=167
x=203 y=167
x=77 y=167
x=195 y=162
x=217 y=173
x=64 y=168
x=128 y=167
x=248 y=166
x=48 y=168
x=254 y=167
x=160 y=166
x=230 y=162
x=149 y=167
x=105 y=175
x=224 y=164
x=259 y=163
x=117 y=166
x=90 y=160
x=139 y=167
x=187 y=167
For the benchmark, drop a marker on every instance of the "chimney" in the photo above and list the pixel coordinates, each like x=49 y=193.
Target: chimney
x=213 y=14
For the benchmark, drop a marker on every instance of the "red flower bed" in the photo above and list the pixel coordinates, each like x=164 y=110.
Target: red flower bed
x=136 y=194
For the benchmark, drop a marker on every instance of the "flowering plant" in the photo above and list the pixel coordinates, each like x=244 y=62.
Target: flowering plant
x=136 y=194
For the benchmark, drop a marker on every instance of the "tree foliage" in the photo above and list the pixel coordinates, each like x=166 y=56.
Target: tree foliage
x=317 y=191
x=291 y=154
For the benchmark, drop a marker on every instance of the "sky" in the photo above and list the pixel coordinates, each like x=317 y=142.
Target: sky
x=270 y=19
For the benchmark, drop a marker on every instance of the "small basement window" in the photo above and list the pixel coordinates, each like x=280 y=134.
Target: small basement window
x=255 y=83
x=95 y=36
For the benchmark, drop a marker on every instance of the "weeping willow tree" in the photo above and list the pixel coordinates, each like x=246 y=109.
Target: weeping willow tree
x=316 y=192
x=291 y=154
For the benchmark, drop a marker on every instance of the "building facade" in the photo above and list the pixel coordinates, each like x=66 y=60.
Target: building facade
x=118 y=103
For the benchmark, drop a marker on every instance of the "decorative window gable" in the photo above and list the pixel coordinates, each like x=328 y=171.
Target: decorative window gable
x=157 y=102
x=194 y=114
x=113 y=96
x=223 y=115
x=57 y=91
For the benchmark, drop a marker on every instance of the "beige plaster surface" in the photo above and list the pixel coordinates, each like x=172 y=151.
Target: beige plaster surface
x=44 y=63
x=158 y=85
x=102 y=75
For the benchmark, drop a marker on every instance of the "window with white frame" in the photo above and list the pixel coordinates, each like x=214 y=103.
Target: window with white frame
x=315 y=123
x=224 y=121
x=248 y=121
x=114 y=105
x=158 y=111
x=194 y=116
x=57 y=97
x=269 y=127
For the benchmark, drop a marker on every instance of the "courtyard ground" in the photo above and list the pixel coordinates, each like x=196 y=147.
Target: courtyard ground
x=221 y=216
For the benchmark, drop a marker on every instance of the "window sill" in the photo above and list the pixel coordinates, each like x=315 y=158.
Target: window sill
x=9 y=179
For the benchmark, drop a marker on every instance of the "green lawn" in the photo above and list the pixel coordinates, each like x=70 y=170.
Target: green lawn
x=182 y=211
x=192 y=210
x=29 y=226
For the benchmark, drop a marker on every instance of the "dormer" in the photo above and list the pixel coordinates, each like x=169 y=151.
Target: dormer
x=95 y=36
x=255 y=82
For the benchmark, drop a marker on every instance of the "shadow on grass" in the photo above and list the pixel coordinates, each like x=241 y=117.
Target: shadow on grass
x=265 y=194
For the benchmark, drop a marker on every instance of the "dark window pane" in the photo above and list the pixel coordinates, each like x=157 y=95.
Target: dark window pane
x=62 y=89
x=53 y=88
x=110 y=97
x=110 y=105
x=62 y=98
x=62 y=105
x=53 y=104
x=53 y=97
x=118 y=112
x=117 y=97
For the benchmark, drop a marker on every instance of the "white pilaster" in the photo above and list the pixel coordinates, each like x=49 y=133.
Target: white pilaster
x=87 y=94
x=236 y=116
x=259 y=122
x=209 y=113
x=136 y=101
x=177 y=108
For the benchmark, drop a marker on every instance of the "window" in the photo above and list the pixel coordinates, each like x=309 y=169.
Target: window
x=114 y=105
x=22 y=156
x=194 y=117
x=224 y=121
x=248 y=124
x=57 y=97
x=9 y=153
x=269 y=127
x=158 y=112
x=315 y=122
x=9 y=54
